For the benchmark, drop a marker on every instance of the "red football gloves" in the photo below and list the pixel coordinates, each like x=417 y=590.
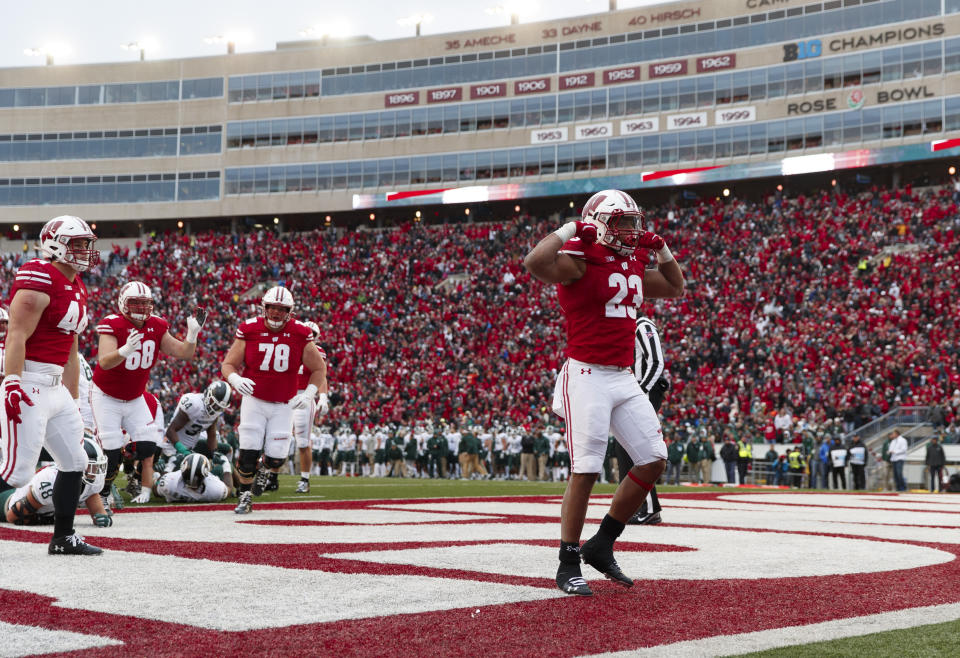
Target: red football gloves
x=650 y=240
x=586 y=232
x=13 y=395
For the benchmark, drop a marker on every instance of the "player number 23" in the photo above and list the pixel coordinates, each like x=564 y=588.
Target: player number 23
x=615 y=307
x=278 y=354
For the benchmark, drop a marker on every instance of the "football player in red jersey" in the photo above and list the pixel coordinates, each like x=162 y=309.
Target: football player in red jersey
x=129 y=346
x=303 y=417
x=601 y=279
x=48 y=310
x=269 y=350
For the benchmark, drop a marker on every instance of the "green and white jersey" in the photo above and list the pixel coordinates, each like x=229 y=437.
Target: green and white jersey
x=198 y=419
x=83 y=391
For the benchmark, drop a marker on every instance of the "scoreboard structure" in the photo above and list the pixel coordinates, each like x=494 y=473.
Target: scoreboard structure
x=671 y=94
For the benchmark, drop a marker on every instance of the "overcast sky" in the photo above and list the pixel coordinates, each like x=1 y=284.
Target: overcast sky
x=92 y=30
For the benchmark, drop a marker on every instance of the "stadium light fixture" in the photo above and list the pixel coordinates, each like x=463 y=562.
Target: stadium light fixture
x=231 y=39
x=726 y=191
x=515 y=9
x=372 y=217
x=415 y=19
x=16 y=227
x=333 y=29
x=48 y=50
x=952 y=170
x=516 y=209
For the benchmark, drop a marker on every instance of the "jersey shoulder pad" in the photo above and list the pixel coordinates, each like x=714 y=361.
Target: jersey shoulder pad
x=160 y=322
x=109 y=324
x=247 y=326
x=300 y=328
x=35 y=274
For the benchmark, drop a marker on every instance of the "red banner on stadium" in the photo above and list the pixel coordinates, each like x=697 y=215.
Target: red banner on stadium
x=577 y=80
x=664 y=69
x=626 y=74
x=401 y=98
x=534 y=86
x=490 y=90
x=716 y=63
x=445 y=95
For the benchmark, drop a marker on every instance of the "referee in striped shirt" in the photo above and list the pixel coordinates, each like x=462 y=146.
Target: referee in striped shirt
x=655 y=382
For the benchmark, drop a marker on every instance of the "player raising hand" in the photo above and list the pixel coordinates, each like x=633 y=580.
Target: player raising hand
x=130 y=344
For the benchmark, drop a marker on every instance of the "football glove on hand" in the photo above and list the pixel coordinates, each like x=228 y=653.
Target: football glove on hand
x=586 y=232
x=193 y=329
x=132 y=344
x=323 y=404
x=182 y=449
x=102 y=520
x=242 y=385
x=303 y=400
x=144 y=496
x=650 y=240
x=13 y=395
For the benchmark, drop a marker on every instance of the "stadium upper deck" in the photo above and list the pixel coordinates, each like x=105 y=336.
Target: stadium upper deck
x=752 y=87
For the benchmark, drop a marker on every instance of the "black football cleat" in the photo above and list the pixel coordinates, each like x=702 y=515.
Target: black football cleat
x=598 y=553
x=260 y=482
x=570 y=580
x=72 y=545
x=645 y=519
x=273 y=482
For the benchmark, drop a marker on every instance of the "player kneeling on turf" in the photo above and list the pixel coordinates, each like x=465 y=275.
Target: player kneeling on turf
x=192 y=482
x=32 y=504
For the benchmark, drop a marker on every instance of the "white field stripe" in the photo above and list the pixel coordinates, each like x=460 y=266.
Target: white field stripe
x=30 y=640
x=735 y=645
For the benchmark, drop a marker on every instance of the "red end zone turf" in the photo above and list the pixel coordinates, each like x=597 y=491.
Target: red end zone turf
x=732 y=594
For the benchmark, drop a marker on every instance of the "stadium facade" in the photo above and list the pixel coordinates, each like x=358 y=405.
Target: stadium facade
x=712 y=91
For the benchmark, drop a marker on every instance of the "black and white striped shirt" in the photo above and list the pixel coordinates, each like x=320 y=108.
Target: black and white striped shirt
x=649 y=354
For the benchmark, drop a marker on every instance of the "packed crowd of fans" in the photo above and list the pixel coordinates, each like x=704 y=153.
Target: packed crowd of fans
x=821 y=309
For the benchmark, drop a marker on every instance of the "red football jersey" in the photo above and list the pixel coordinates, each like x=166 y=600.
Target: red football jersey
x=272 y=359
x=63 y=318
x=128 y=379
x=601 y=306
x=303 y=375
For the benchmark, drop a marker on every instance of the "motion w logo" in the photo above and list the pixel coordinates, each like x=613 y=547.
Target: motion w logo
x=584 y=371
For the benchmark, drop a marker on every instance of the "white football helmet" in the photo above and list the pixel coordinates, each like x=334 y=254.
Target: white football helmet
x=619 y=220
x=277 y=303
x=314 y=330
x=136 y=301
x=68 y=239
x=96 y=470
x=4 y=321
x=216 y=397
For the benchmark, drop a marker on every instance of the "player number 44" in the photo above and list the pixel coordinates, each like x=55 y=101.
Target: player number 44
x=279 y=355
x=74 y=320
x=615 y=307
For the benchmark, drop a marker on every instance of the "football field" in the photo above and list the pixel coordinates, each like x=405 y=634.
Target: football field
x=367 y=567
